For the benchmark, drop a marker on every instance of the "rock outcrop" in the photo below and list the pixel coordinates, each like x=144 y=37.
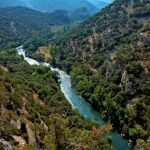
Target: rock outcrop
x=5 y=145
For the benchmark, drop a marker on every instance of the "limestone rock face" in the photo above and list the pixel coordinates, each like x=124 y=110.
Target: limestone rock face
x=4 y=145
x=124 y=77
x=16 y=123
x=19 y=140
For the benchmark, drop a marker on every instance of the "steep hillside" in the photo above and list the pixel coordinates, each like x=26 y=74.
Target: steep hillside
x=34 y=114
x=104 y=31
x=18 y=23
x=108 y=59
x=119 y=88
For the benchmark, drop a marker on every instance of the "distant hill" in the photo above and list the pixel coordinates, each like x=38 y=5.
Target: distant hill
x=51 y=5
x=73 y=7
x=20 y=22
x=79 y=14
x=10 y=3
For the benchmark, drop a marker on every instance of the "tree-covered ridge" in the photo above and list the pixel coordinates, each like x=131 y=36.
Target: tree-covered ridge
x=120 y=88
x=18 y=23
x=104 y=31
x=53 y=5
x=34 y=114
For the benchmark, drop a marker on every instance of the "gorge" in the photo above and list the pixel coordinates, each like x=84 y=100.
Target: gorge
x=77 y=102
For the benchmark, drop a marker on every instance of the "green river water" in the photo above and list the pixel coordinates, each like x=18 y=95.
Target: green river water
x=79 y=103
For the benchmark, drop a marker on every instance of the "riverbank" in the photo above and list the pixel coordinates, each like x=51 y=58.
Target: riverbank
x=78 y=103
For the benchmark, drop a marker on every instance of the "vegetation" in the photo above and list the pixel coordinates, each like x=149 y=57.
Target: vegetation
x=107 y=57
x=35 y=114
x=16 y=25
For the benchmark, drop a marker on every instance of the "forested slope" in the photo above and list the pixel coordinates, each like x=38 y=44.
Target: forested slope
x=34 y=113
x=18 y=23
x=104 y=31
x=108 y=57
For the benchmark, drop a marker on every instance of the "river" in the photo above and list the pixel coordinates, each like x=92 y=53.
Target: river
x=77 y=102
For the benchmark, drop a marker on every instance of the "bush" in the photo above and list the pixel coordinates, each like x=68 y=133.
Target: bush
x=134 y=68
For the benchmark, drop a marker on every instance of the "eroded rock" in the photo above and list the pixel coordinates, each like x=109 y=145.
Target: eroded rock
x=5 y=145
x=16 y=123
x=19 y=140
